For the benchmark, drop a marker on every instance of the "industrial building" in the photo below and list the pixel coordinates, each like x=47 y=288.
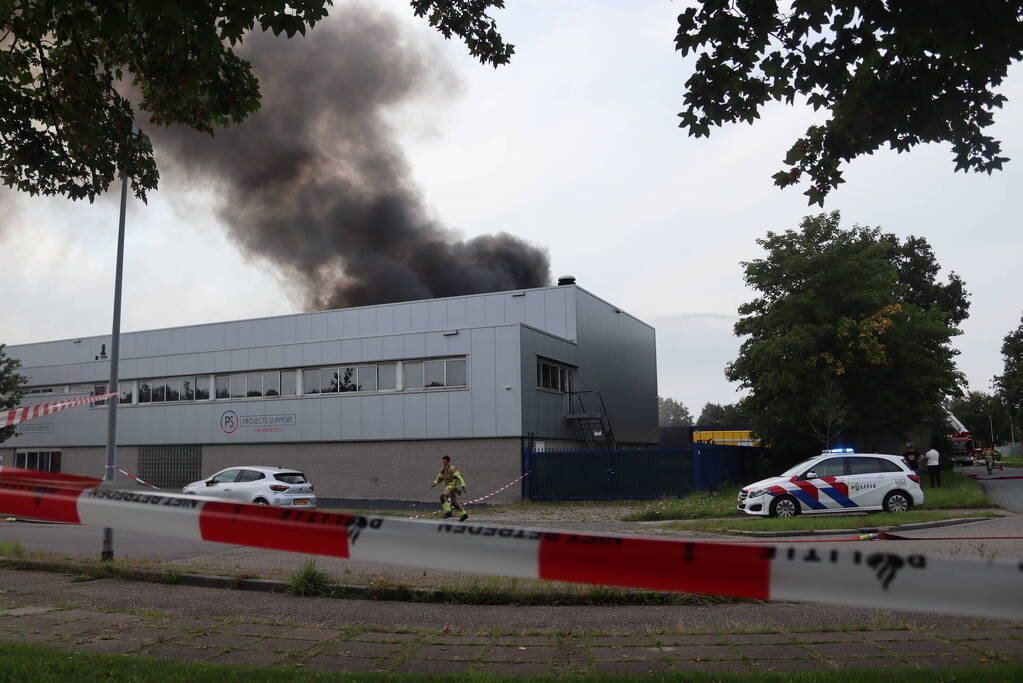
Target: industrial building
x=364 y=400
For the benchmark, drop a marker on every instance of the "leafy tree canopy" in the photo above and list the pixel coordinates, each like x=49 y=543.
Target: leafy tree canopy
x=1010 y=383
x=11 y=384
x=887 y=73
x=728 y=414
x=65 y=129
x=671 y=413
x=850 y=334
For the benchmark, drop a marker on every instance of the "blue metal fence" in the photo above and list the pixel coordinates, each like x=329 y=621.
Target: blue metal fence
x=634 y=473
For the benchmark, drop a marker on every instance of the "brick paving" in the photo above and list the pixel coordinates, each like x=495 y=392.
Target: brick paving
x=110 y=617
x=350 y=648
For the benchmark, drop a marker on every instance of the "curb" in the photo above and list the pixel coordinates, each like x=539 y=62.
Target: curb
x=224 y=582
x=862 y=530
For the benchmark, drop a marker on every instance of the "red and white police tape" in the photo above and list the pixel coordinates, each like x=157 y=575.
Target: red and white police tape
x=141 y=481
x=19 y=415
x=476 y=500
x=860 y=578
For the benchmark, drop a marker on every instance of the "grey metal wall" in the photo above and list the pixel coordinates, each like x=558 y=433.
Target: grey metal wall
x=615 y=354
x=542 y=410
x=501 y=334
x=488 y=333
x=617 y=357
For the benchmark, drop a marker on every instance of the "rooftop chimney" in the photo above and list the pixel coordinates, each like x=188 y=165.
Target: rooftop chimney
x=566 y=280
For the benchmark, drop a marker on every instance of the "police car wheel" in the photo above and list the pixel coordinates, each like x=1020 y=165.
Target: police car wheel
x=897 y=501
x=784 y=506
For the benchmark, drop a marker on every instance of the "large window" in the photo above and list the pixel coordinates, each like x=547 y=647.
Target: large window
x=387 y=376
x=367 y=378
x=554 y=376
x=237 y=386
x=253 y=385
x=47 y=461
x=289 y=383
x=202 y=388
x=222 y=386
x=173 y=385
x=414 y=375
x=310 y=381
x=159 y=390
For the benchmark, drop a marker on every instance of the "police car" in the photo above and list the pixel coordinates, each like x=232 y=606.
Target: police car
x=836 y=481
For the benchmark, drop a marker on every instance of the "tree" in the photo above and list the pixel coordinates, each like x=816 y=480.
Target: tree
x=1010 y=383
x=671 y=413
x=982 y=414
x=888 y=73
x=65 y=125
x=11 y=388
x=849 y=336
x=728 y=414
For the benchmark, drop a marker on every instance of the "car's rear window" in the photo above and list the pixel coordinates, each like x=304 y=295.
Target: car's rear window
x=291 y=477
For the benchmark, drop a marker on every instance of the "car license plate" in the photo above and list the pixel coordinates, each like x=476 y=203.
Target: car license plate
x=301 y=501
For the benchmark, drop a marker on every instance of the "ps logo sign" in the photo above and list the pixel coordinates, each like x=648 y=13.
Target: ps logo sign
x=229 y=421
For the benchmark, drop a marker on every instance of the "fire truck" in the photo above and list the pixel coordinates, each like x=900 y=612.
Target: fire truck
x=965 y=449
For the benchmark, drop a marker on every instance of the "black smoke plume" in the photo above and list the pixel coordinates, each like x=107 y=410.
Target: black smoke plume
x=315 y=181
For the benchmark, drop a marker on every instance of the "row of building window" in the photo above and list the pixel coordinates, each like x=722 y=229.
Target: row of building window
x=379 y=377
x=47 y=461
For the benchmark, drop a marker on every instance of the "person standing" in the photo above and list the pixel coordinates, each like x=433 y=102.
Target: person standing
x=934 y=466
x=454 y=484
x=912 y=457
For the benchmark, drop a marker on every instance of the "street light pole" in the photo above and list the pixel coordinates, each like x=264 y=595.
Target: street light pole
x=110 y=473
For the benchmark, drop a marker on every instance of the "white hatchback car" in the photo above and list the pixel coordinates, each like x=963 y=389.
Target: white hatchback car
x=257 y=484
x=836 y=482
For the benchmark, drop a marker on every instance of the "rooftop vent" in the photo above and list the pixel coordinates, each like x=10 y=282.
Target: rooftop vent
x=566 y=280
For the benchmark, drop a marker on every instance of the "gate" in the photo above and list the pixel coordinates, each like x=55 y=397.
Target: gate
x=170 y=467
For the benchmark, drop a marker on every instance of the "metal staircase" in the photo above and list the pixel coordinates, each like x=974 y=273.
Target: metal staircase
x=586 y=409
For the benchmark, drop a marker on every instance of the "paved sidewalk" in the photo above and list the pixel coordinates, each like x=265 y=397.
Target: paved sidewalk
x=199 y=624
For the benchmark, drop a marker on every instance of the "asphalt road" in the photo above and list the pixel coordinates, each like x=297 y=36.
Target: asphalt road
x=1007 y=492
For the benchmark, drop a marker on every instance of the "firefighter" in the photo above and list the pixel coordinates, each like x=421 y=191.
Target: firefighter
x=454 y=484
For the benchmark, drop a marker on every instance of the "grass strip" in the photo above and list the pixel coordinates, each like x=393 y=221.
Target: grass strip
x=697 y=505
x=749 y=523
x=42 y=664
x=956 y=491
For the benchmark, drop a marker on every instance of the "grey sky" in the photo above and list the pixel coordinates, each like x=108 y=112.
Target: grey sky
x=574 y=147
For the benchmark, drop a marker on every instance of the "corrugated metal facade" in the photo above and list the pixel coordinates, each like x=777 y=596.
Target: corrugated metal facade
x=500 y=336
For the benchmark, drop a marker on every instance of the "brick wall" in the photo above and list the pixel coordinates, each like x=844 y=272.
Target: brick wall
x=86 y=461
x=392 y=470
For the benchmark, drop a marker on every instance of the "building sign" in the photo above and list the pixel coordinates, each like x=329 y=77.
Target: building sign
x=230 y=422
x=35 y=428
